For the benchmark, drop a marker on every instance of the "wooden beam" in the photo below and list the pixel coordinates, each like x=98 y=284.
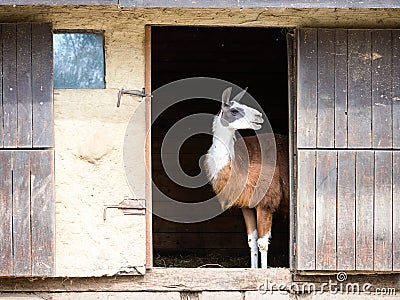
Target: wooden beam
x=218 y=3
x=189 y=279
x=157 y=279
x=262 y=3
x=59 y=2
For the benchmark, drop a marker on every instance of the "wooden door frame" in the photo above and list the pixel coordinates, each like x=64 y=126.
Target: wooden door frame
x=148 y=179
x=291 y=61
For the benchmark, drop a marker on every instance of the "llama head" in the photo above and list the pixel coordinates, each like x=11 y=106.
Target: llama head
x=235 y=115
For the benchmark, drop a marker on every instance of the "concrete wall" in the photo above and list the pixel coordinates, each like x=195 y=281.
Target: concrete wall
x=90 y=129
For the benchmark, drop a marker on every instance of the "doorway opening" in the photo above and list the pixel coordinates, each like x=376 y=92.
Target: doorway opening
x=248 y=57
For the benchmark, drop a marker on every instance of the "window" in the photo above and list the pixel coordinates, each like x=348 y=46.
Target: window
x=78 y=60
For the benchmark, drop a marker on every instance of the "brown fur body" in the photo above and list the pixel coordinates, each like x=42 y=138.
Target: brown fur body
x=252 y=178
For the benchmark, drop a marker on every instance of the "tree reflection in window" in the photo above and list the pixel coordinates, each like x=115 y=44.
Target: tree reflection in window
x=78 y=60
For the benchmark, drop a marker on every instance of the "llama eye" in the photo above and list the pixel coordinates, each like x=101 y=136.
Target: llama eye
x=234 y=112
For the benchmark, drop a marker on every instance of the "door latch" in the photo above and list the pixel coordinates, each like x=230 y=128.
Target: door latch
x=137 y=93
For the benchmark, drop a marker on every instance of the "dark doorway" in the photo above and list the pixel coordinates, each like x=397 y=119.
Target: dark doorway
x=248 y=57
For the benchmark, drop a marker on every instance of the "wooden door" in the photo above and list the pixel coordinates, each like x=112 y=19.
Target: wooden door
x=348 y=142
x=27 y=210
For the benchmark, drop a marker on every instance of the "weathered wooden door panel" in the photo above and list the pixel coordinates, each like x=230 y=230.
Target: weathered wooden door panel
x=27 y=87
x=27 y=214
x=348 y=92
x=348 y=130
x=345 y=208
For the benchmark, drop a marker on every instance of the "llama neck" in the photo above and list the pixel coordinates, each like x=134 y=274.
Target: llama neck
x=222 y=148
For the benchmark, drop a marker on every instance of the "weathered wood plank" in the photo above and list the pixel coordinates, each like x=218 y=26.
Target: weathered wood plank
x=307 y=72
x=365 y=210
x=43 y=212
x=325 y=210
x=341 y=88
x=1 y=96
x=59 y=2
x=24 y=79
x=381 y=41
x=306 y=211
x=326 y=89
x=21 y=213
x=188 y=279
x=359 y=88
x=42 y=85
x=6 y=251
x=396 y=211
x=383 y=250
x=9 y=85
x=396 y=88
x=346 y=210
x=159 y=279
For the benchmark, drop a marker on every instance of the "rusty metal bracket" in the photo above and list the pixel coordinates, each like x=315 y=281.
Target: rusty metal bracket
x=137 y=93
x=128 y=207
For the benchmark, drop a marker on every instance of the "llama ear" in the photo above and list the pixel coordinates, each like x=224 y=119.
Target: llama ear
x=226 y=95
x=239 y=96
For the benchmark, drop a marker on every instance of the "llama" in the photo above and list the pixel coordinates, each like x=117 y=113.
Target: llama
x=244 y=176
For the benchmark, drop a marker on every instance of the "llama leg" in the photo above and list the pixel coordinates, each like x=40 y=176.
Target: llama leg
x=252 y=235
x=264 y=225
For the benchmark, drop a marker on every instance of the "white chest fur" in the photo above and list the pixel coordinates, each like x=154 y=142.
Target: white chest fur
x=222 y=149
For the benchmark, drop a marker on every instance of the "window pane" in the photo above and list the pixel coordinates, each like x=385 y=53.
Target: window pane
x=78 y=60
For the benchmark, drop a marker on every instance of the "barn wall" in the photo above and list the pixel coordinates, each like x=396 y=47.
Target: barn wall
x=90 y=129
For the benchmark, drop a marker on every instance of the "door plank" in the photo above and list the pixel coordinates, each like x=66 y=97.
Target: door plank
x=381 y=89
x=307 y=88
x=42 y=85
x=6 y=251
x=306 y=210
x=325 y=208
x=21 y=213
x=396 y=211
x=326 y=89
x=383 y=211
x=43 y=212
x=396 y=88
x=365 y=210
x=24 y=79
x=359 y=89
x=9 y=85
x=341 y=88
x=1 y=97
x=346 y=209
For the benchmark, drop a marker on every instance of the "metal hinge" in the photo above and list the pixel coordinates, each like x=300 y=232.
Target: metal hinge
x=128 y=207
x=137 y=93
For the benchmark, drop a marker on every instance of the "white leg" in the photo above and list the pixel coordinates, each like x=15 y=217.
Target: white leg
x=252 y=234
x=252 y=240
x=263 y=243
